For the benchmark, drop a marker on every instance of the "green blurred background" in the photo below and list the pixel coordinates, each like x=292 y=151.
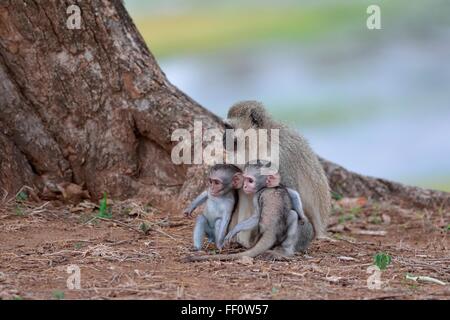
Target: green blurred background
x=375 y=101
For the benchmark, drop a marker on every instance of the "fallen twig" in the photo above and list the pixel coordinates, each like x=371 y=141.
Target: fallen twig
x=425 y=278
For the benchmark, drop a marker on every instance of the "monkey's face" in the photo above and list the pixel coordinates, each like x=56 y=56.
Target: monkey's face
x=216 y=186
x=223 y=181
x=249 y=184
x=254 y=180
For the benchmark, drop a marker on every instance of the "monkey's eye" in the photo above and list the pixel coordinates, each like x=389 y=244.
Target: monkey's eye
x=210 y=181
x=250 y=180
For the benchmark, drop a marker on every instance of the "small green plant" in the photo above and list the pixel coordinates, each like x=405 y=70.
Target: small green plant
x=346 y=217
x=275 y=290
x=382 y=260
x=19 y=212
x=77 y=245
x=58 y=295
x=336 y=196
x=375 y=219
x=21 y=196
x=448 y=227
x=104 y=211
x=355 y=210
x=145 y=228
x=214 y=251
x=16 y=297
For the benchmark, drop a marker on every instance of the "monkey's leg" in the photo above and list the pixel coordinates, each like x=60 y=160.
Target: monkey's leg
x=247 y=224
x=217 y=238
x=288 y=245
x=199 y=231
x=211 y=233
x=305 y=236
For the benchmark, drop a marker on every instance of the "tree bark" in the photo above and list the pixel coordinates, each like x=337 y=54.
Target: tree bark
x=91 y=107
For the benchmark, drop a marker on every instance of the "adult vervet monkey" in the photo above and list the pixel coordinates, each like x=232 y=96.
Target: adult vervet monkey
x=299 y=168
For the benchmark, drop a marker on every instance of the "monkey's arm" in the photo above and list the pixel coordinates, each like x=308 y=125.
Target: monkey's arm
x=197 y=201
x=246 y=224
x=220 y=236
x=297 y=204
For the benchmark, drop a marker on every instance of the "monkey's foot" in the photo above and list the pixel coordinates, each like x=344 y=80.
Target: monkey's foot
x=194 y=249
x=326 y=238
x=276 y=255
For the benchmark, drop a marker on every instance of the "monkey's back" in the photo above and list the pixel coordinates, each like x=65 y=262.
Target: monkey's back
x=275 y=205
x=311 y=181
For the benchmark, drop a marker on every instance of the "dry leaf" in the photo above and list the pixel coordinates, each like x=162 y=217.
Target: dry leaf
x=380 y=233
x=246 y=260
x=344 y=258
x=333 y=279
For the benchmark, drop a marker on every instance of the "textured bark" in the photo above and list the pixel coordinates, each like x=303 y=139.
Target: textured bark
x=87 y=106
x=350 y=184
x=91 y=107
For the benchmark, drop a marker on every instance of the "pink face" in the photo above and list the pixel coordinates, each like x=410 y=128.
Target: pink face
x=249 y=184
x=215 y=186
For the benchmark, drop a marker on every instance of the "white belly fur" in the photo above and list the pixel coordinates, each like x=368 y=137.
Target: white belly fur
x=244 y=210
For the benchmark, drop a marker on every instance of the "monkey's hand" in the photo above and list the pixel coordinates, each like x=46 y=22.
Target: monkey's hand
x=228 y=237
x=187 y=213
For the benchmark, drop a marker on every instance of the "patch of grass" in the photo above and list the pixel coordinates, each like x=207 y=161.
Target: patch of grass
x=382 y=260
x=214 y=251
x=19 y=211
x=411 y=285
x=78 y=245
x=356 y=211
x=22 y=196
x=104 y=211
x=145 y=228
x=275 y=290
x=17 y=297
x=205 y=30
x=448 y=227
x=58 y=295
x=336 y=196
x=338 y=236
x=436 y=182
x=323 y=113
x=375 y=219
x=347 y=217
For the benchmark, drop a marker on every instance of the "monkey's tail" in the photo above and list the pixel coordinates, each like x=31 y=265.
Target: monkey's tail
x=266 y=242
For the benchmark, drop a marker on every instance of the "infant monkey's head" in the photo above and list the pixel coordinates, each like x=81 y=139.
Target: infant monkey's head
x=223 y=178
x=257 y=175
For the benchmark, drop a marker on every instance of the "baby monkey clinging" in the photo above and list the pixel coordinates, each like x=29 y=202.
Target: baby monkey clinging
x=278 y=215
x=220 y=199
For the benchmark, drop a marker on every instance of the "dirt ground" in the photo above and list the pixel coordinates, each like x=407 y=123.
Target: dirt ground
x=118 y=260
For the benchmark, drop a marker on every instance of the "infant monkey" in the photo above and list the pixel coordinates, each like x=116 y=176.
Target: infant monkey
x=220 y=199
x=278 y=224
x=286 y=222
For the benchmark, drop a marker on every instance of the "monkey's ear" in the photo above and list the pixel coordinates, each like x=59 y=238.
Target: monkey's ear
x=273 y=180
x=237 y=181
x=256 y=118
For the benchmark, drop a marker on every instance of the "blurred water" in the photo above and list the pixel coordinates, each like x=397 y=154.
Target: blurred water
x=395 y=99
x=377 y=102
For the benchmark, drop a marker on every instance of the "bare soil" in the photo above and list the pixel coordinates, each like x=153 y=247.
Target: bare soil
x=117 y=260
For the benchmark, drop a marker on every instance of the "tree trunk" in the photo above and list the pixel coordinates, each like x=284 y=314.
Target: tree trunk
x=92 y=108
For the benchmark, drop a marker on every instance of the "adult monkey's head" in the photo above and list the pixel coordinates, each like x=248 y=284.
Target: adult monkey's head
x=246 y=115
